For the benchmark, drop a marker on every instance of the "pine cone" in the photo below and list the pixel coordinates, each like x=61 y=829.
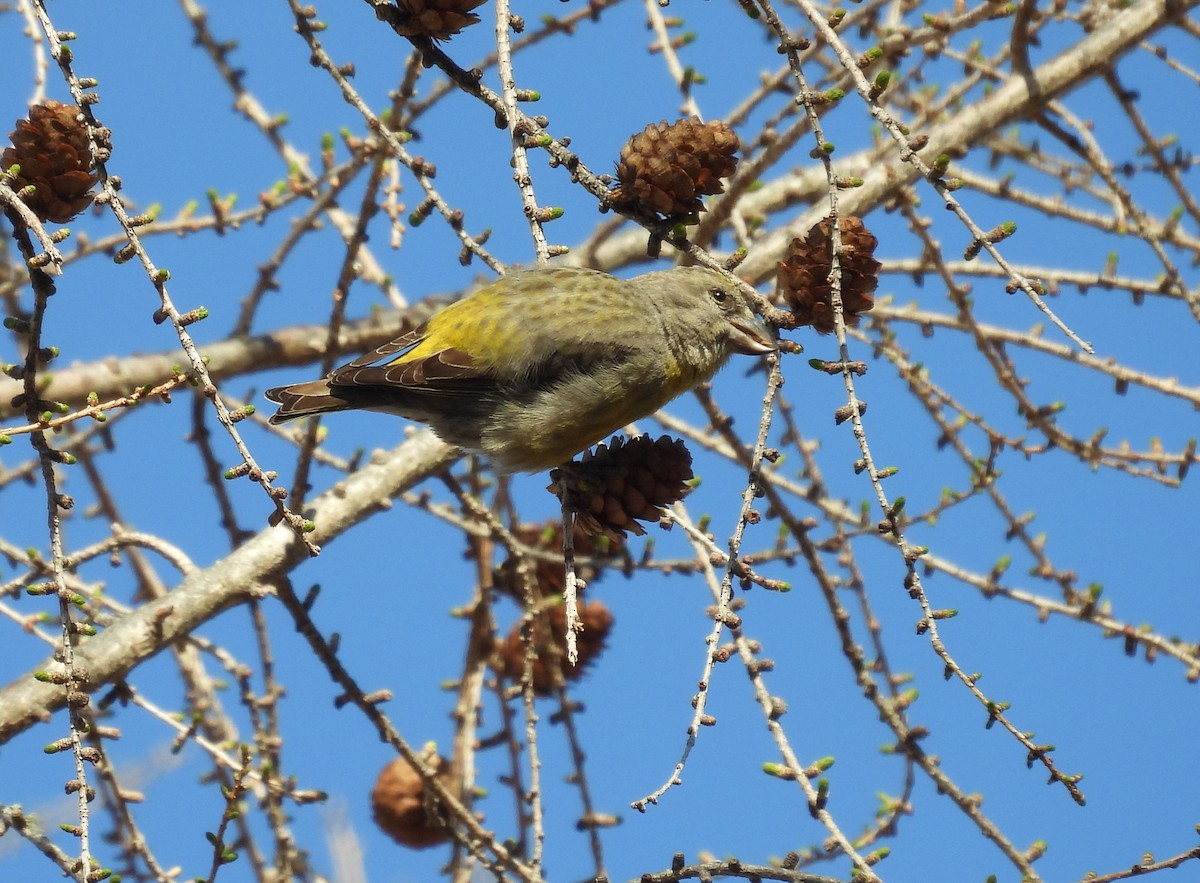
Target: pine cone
x=629 y=479
x=398 y=803
x=55 y=156
x=549 y=631
x=550 y=575
x=438 y=19
x=666 y=168
x=804 y=273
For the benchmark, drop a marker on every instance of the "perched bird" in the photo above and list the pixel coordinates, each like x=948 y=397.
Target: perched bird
x=543 y=363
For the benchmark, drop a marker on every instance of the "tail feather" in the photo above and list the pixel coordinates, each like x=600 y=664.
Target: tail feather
x=304 y=400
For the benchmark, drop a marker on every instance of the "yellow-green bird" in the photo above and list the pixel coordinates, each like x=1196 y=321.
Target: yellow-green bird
x=540 y=364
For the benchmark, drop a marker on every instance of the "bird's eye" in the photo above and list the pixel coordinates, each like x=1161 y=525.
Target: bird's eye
x=719 y=295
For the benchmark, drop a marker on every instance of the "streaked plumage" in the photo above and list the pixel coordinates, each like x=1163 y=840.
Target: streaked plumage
x=542 y=363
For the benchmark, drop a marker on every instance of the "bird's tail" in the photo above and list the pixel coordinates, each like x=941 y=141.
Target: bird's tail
x=304 y=400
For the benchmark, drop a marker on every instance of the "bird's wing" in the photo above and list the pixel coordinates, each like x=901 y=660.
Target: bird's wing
x=447 y=371
x=403 y=342
x=515 y=315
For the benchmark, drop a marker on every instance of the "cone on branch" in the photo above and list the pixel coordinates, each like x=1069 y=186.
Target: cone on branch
x=400 y=805
x=53 y=152
x=549 y=645
x=667 y=167
x=436 y=19
x=804 y=273
x=613 y=487
x=549 y=574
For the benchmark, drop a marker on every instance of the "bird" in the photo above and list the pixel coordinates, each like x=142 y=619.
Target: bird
x=543 y=363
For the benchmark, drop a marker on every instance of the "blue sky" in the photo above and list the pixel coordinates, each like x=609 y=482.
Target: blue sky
x=388 y=586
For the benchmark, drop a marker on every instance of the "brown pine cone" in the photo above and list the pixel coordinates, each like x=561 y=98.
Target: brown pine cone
x=437 y=19
x=666 y=168
x=549 y=644
x=629 y=479
x=550 y=575
x=55 y=156
x=804 y=273
x=398 y=802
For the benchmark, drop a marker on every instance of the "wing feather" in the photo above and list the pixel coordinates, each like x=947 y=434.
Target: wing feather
x=383 y=351
x=513 y=313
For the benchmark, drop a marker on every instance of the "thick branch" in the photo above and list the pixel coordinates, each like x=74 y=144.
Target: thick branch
x=1013 y=100
x=201 y=596
x=1017 y=98
x=299 y=345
